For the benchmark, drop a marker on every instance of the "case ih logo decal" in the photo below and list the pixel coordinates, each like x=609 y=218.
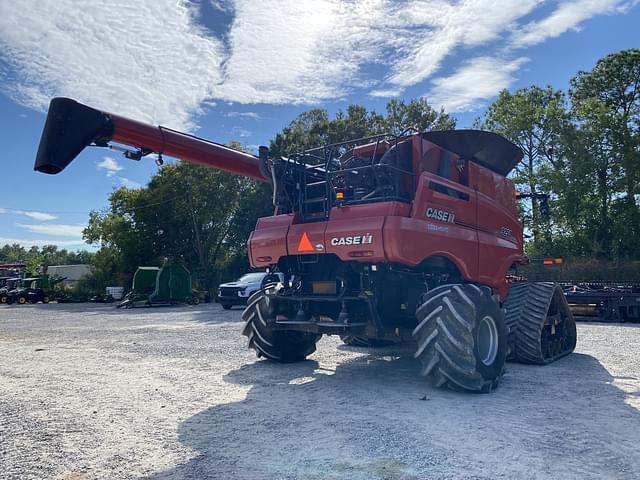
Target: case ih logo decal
x=440 y=215
x=365 y=239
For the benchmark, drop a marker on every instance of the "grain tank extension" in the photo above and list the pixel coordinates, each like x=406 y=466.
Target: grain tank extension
x=381 y=239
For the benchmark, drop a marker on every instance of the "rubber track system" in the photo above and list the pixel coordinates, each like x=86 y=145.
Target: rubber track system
x=449 y=333
x=541 y=326
x=278 y=345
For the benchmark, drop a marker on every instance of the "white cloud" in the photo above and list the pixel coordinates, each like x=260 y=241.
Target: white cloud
x=386 y=93
x=476 y=81
x=444 y=27
x=252 y=115
x=155 y=62
x=567 y=16
x=225 y=6
x=241 y=132
x=298 y=51
x=110 y=165
x=149 y=61
x=42 y=216
x=42 y=243
x=55 y=230
x=128 y=183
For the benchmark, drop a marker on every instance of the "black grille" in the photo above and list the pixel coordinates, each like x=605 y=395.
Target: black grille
x=229 y=291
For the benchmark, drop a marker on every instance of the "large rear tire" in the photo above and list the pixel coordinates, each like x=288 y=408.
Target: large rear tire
x=462 y=338
x=278 y=345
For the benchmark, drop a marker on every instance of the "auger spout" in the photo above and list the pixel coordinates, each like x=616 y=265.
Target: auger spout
x=72 y=126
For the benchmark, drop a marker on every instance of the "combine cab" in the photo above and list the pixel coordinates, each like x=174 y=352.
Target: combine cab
x=382 y=239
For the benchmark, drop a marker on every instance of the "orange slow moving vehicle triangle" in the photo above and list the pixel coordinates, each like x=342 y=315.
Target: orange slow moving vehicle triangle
x=305 y=244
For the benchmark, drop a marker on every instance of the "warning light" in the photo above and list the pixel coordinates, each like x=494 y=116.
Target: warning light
x=339 y=195
x=305 y=244
x=553 y=261
x=361 y=253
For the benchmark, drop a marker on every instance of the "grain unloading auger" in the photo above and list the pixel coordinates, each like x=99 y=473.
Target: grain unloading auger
x=381 y=239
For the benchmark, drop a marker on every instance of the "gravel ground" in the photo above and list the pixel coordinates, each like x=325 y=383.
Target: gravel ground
x=88 y=391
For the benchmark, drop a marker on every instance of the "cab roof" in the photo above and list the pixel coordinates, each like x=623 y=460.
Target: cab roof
x=487 y=149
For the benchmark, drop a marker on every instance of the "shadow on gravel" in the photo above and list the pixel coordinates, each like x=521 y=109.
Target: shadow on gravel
x=202 y=312
x=214 y=313
x=368 y=419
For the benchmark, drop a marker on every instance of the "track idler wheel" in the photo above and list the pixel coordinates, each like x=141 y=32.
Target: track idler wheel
x=541 y=326
x=278 y=345
x=462 y=338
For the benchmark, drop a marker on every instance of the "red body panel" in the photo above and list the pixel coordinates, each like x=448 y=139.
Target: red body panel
x=268 y=242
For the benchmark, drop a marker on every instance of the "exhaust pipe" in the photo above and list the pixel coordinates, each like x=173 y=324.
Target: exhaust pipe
x=69 y=128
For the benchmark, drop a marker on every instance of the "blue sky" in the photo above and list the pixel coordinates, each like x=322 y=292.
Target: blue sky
x=242 y=70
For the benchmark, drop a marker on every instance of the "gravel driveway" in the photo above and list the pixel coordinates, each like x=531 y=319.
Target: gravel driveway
x=88 y=391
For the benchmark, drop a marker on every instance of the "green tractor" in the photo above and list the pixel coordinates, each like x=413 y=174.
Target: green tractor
x=7 y=284
x=33 y=290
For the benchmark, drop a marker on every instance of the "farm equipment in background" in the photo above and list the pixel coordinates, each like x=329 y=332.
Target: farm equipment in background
x=609 y=301
x=153 y=286
x=33 y=290
x=8 y=284
x=102 y=298
x=386 y=238
x=14 y=269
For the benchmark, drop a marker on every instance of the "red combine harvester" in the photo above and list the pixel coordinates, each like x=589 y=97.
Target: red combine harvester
x=382 y=239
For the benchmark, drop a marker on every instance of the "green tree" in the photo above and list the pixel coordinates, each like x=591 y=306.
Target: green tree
x=46 y=255
x=417 y=115
x=315 y=128
x=606 y=103
x=187 y=212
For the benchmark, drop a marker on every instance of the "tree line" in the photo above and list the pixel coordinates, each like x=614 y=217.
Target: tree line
x=47 y=255
x=581 y=147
